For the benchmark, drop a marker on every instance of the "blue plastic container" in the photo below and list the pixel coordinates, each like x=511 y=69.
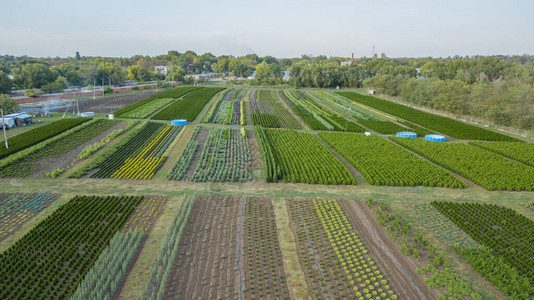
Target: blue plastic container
x=179 y=122
x=434 y=138
x=406 y=134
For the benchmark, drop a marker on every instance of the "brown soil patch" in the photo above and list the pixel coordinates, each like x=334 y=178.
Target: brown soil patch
x=205 y=266
x=109 y=104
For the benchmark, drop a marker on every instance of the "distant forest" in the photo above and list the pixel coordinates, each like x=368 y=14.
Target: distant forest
x=499 y=89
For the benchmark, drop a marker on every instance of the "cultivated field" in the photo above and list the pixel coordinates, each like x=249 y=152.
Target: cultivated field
x=264 y=194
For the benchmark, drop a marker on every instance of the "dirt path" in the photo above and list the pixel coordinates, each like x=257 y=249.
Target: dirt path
x=376 y=237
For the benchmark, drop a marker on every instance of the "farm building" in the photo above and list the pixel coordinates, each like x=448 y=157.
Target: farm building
x=434 y=138
x=406 y=134
x=20 y=118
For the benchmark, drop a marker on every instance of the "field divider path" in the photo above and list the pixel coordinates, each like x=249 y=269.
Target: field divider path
x=384 y=250
x=311 y=247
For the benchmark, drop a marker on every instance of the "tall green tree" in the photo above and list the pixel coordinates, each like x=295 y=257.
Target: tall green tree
x=8 y=104
x=5 y=83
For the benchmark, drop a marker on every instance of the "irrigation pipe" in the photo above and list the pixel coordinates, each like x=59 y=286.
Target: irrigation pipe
x=382 y=249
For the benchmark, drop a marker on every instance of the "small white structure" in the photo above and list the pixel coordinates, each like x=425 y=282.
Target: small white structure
x=111 y=116
x=371 y=92
x=86 y=114
x=10 y=122
x=162 y=69
x=367 y=133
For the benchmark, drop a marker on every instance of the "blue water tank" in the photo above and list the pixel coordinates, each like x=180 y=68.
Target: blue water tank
x=178 y=122
x=434 y=138
x=407 y=134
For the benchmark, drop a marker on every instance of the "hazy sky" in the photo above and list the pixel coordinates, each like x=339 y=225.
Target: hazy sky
x=280 y=28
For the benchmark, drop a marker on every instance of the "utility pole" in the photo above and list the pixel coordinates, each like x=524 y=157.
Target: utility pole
x=4 y=127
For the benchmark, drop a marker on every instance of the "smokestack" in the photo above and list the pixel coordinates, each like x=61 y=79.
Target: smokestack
x=352 y=61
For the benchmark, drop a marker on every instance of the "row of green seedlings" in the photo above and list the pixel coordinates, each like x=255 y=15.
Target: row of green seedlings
x=522 y=152
x=160 y=271
x=53 y=258
x=264 y=257
x=413 y=244
x=225 y=158
x=37 y=135
x=445 y=230
x=238 y=115
x=271 y=170
x=215 y=109
x=437 y=123
x=310 y=101
x=135 y=144
x=507 y=240
x=188 y=107
x=485 y=168
x=89 y=150
x=10 y=203
x=373 y=122
x=17 y=209
x=148 y=109
x=309 y=112
x=69 y=140
x=365 y=280
x=173 y=93
x=302 y=158
x=178 y=171
x=270 y=112
x=382 y=162
x=316 y=256
x=108 y=151
x=103 y=278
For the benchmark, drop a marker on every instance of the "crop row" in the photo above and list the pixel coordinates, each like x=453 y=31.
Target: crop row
x=508 y=234
x=146 y=110
x=146 y=163
x=52 y=259
x=145 y=214
x=17 y=209
x=384 y=163
x=104 y=277
x=412 y=243
x=160 y=271
x=225 y=157
x=189 y=106
x=487 y=169
x=522 y=152
x=269 y=111
x=302 y=158
x=37 y=135
x=445 y=230
x=266 y=277
x=30 y=163
x=135 y=144
x=173 y=93
x=441 y=124
x=215 y=108
x=178 y=171
x=271 y=170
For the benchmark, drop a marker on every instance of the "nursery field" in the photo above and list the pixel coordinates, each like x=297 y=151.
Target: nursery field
x=265 y=194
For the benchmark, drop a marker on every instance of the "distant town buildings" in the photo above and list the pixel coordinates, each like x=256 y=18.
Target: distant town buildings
x=161 y=69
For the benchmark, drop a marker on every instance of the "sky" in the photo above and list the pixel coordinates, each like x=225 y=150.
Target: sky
x=283 y=29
